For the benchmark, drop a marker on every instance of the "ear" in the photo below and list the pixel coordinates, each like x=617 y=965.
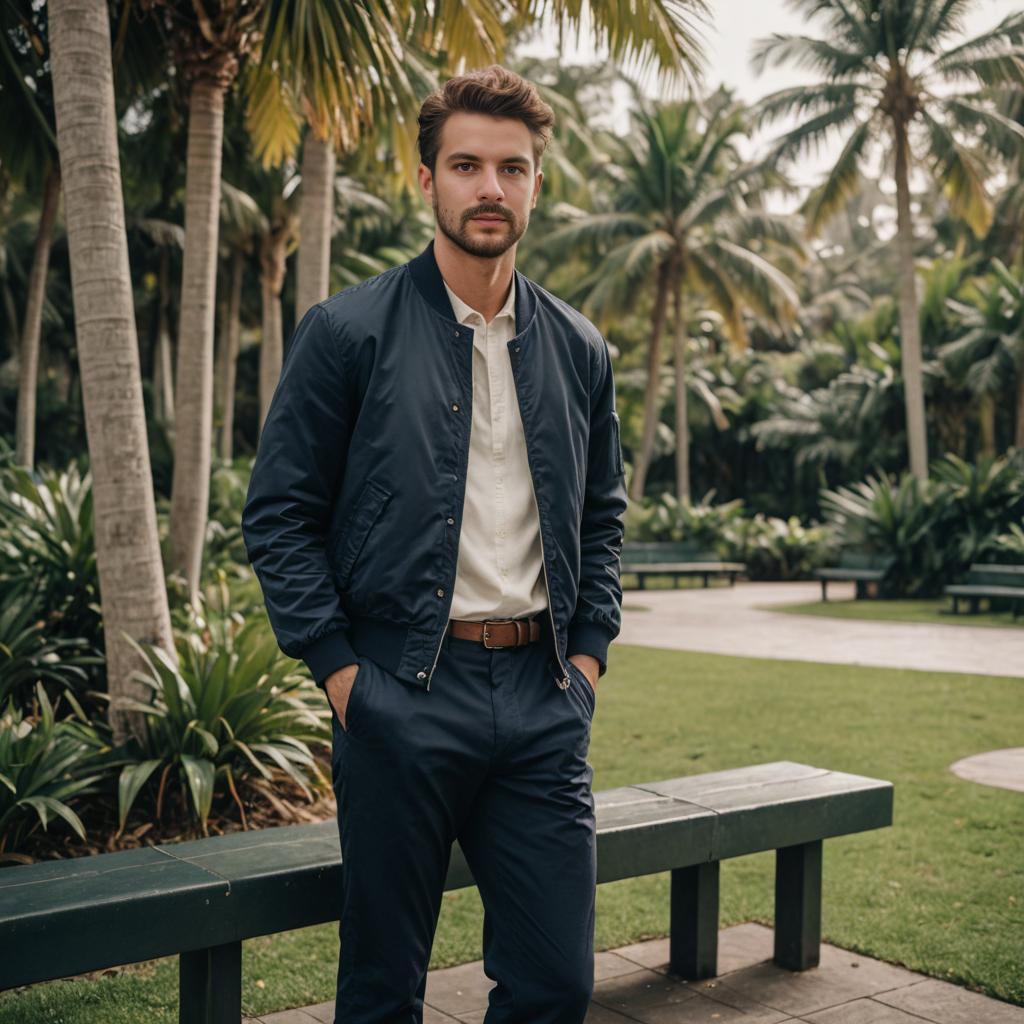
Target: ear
x=426 y=182
x=536 y=188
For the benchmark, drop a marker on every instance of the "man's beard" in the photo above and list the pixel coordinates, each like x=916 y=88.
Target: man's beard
x=456 y=228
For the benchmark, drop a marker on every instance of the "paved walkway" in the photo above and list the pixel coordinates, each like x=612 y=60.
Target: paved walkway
x=728 y=620
x=1002 y=768
x=633 y=985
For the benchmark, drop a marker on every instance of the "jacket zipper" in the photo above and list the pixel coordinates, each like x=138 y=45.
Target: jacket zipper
x=563 y=683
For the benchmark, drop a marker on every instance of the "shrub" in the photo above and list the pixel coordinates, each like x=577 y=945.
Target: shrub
x=45 y=764
x=232 y=710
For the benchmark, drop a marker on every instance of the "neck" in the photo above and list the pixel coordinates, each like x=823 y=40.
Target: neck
x=482 y=282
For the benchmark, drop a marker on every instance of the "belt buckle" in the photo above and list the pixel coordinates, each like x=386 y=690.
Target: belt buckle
x=486 y=636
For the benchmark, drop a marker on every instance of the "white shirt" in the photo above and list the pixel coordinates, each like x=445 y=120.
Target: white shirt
x=500 y=570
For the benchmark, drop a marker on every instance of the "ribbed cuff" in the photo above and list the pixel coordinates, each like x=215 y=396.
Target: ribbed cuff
x=327 y=655
x=589 y=638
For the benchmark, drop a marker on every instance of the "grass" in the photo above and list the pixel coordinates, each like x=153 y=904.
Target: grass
x=934 y=610
x=941 y=892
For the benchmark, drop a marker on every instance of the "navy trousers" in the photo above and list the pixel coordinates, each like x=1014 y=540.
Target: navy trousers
x=494 y=755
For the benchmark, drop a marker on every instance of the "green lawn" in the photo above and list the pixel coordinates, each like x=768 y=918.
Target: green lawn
x=933 y=610
x=941 y=892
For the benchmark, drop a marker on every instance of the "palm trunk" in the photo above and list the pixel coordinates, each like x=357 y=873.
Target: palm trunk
x=28 y=356
x=316 y=212
x=643 y=459
x=1018 y=438
x=190 y=490
x=682 y=396
x=163 y=373
x=134 y=595
x=910 y=329
x=987 y=426
x=273 y=250
x=229 y=362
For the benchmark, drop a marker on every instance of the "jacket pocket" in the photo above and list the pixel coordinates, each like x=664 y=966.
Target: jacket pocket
x=373 y=499
x=617 y=445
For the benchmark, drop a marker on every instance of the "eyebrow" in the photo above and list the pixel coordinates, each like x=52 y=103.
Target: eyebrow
x=517 y=159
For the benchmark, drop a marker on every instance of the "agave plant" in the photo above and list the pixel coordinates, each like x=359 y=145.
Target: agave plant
x=232 y=709
x=45 y=765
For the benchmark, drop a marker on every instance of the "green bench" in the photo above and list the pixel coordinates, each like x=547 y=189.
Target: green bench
x=200 y=899
x=862 y=567
x=664 y=558
x=997 y=583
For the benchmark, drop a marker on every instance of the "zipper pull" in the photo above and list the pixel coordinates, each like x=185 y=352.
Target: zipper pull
x=563 y=683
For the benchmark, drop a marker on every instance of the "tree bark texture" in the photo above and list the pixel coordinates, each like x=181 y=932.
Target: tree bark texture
x=229 y=361
x=910 y=327
x=28 y=366
x=273 y=252
x=643 y=459
x=190 y=489
x=133 y=592
x=316 y=213
x=682 y=400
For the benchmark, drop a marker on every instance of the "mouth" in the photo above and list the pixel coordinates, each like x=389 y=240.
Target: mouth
x=489 y=219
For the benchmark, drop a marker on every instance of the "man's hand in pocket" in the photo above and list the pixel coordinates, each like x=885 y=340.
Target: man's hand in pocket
x=339 y=687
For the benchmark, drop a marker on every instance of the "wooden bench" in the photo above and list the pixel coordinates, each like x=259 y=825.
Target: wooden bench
x=994 y=582
x=201 y=899
x=863 y=567
x=662 y=558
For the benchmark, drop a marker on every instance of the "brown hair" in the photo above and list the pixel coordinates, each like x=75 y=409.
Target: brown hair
x=495 y=91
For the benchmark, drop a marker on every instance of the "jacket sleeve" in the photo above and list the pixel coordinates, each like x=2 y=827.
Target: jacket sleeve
x=286 y=519
x=598 y=615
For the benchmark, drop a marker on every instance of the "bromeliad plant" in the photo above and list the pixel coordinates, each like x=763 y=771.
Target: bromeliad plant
x=233 y=710
x=45 y=765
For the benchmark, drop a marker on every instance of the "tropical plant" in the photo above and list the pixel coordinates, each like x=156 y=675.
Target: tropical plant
x=45 y=765
x=48 y=548
x=892 y=76
x=892 y=517
x=685 y=218
x=989 y=354
x=30 y=655
x=778 y=549
x=232 y=710
x=127 y=547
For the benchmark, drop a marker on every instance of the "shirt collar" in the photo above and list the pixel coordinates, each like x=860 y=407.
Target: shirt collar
x=464 y=312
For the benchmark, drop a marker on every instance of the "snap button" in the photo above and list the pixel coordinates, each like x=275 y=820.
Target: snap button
x=517 y=348
x=440 y=591
x=450 y=521
x=421 y=675
x=455 y=406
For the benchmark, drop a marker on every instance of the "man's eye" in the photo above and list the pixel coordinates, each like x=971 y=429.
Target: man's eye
x=463 y=166
x=516 y=170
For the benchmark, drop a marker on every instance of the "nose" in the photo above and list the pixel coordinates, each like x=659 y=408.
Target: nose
x=489 y=188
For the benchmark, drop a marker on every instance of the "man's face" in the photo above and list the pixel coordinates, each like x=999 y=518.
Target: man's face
x=484 y=182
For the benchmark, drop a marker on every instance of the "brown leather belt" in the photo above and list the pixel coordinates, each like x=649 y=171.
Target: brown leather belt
x=497 y=633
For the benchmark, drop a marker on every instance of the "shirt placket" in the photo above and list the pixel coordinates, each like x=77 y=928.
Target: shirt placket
x=499 y=416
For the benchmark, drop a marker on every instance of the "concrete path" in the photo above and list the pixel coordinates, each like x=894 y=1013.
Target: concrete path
x=728 y=620
x=633 y=984
x=1002 y=768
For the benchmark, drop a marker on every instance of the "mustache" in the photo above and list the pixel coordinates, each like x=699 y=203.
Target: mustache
x=488 y=209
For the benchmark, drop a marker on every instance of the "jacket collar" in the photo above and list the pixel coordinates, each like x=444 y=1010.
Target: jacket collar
x=428 y=280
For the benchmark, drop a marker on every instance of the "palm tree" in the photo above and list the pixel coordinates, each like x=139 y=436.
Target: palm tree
x=28 y=152
x=989 y=354
x=353 y=68
x=131 y=574
x=208 y=41
x=683 y=216
x=891 y=77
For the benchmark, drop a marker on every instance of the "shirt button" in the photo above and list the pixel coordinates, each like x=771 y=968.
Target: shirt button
x=450 y=521
x=440 y=591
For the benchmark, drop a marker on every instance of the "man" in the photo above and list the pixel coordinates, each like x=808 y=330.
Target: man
x=435 y=517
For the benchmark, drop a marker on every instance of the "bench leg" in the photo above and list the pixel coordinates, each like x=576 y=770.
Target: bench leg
x=210 y=985
x=693 y=938
x=824 y=590
x=798 y=906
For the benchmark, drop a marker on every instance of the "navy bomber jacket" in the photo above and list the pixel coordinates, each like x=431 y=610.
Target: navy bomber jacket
x=353 y=512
